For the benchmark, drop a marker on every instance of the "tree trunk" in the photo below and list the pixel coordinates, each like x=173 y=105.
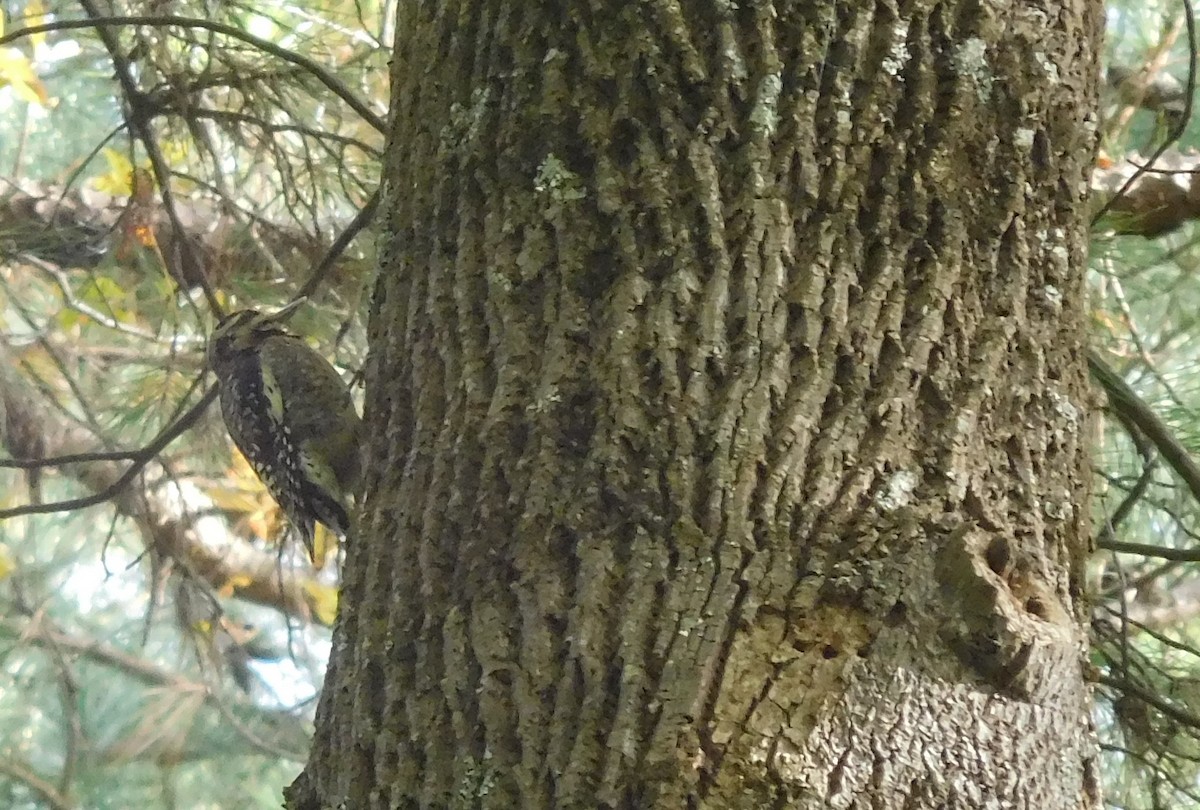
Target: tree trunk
x=727 y=389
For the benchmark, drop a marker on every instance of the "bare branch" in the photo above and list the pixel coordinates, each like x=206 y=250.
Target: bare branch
x=251 y=574
x=1133 y=411
x=321 y=74
x=151 y=674
x=138 y=119
x=25 y=775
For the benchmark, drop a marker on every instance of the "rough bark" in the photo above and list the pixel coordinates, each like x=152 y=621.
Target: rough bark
x=728 y=390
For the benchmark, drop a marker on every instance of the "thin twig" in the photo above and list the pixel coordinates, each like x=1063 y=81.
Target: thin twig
x=1149 y=550
x=361 y=220
x=322 y=75
x=1126 y=687
x=139 y=458
x=27 y=777
x=60 y=281
x=1132 y=410
x=139 y=123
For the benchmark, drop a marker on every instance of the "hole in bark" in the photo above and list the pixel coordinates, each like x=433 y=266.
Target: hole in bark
x=896 y=615
x=998 y=555
x=829 y=652
x=1036 y=607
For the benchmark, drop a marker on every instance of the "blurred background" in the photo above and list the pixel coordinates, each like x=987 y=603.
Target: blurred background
x=162 y=639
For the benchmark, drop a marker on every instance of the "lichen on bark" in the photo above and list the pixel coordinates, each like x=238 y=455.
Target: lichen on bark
x=712 y=355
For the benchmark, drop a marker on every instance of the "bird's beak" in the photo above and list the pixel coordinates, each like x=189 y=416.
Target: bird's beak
x=287 y=311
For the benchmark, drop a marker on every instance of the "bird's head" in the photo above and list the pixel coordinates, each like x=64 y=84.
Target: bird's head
x=246 y=329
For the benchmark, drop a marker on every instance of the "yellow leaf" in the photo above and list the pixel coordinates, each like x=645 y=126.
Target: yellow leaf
x=247 y=498
x=106 y=295
x=237 y=500
x=324 y=542
x=234 y=584
x=7 y=563
x=68 y=319
x=118 y=180
x=16 y=71
x=322 y=600
x=175 y=152
x=35 y=14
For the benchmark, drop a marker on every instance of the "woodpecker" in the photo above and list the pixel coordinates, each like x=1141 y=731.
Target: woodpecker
x=291 y=414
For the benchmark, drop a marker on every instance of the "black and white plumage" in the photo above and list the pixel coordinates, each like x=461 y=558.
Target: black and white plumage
x=289 y=412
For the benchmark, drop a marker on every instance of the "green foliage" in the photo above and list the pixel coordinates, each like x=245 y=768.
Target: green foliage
x=1145 y=296
x=162 y=647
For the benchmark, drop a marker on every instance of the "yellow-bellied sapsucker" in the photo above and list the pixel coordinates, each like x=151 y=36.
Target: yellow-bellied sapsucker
x=289 y=412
